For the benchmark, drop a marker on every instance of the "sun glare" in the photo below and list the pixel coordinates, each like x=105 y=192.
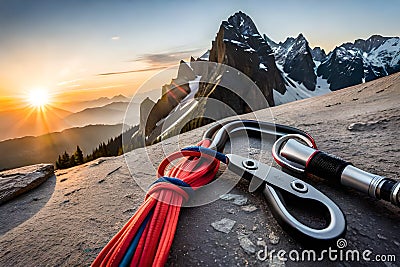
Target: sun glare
x=38 y=98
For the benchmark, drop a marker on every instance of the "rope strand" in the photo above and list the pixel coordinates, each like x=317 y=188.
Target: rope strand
x=146 y=239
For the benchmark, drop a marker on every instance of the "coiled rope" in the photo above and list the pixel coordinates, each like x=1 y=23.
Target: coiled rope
x=146 y=238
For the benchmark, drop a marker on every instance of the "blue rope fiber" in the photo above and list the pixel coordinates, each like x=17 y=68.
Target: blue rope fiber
x=218 y=155
x=126 y=261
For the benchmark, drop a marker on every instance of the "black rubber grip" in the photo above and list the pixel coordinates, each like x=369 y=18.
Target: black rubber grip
x=386 y=189
x=326 y=166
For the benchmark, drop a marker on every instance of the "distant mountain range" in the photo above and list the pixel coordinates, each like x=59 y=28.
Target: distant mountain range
x=112 y=113
x=28 y=121
x=305 y=71
x=31 y=122
x=76 y=106
x=46 y=148
x=348 y=64
x=283 y=72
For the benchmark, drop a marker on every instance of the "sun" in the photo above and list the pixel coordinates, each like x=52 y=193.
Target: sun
x=38 y=98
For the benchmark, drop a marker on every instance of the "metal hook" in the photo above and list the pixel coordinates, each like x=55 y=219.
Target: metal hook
x=275 y=183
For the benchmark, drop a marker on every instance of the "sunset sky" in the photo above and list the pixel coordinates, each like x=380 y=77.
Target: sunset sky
x=66 y=46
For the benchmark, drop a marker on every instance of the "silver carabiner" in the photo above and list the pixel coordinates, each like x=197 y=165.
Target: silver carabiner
x=277 y=182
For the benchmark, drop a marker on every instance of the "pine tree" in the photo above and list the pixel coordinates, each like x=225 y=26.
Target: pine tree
x=59 y=162
x=65 y=160
x=72 y=161
x=78 y=156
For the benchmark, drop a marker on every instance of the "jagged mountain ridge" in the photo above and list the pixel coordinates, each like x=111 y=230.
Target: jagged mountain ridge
x=295 y=57
x=284 y=72
x=239 y=44
x=361 y=61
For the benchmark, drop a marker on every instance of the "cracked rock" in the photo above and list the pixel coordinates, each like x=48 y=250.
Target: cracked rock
x=225 y=225
x=246 y=244
x=18 y=181
x=237 y=199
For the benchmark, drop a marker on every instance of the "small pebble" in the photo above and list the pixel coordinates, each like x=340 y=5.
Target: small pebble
x=273 y=238
x=253 y=151
x=225 y=225
x=237 y=199
x=276 y=262
x=261 y=243
x=246 y=244
x=230 y=211
x=249 y=208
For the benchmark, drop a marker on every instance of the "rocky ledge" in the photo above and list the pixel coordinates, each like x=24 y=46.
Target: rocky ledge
x=18 y=181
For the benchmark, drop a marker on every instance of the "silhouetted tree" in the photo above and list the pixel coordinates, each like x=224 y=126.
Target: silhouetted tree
x=114 y=147
x=78 y=156
x=59 y=162
x=63 y=161
x=72 y=161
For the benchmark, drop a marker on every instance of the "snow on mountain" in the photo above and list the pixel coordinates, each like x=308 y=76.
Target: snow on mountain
x=361 y=61
x=283 y=72
x=347 y=65
x=205 y=56
x=297 y=91
x=385 y=56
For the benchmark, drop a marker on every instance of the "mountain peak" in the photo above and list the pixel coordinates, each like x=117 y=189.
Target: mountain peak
x=318 y=54
x=119 y=97
x=300 y=39
x=300 y=36
x=243 y=23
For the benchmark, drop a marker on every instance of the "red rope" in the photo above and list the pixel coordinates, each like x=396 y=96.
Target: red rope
x=162 y=203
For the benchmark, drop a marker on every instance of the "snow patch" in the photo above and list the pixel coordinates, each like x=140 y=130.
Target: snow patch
x=194 y=88
x=262 y=66
x=299 y=91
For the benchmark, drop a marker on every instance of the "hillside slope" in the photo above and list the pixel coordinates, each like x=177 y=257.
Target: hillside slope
x=90 y=203
x=46 y=148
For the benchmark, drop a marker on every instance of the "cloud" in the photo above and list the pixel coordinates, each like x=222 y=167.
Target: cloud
x=115 y=38
x=157 y=61
x=62 y=83
x=132 y=71
x=166 y=58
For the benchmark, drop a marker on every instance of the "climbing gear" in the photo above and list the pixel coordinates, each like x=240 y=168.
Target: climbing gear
x=301 y=158
x=147 y=237
x=277 y=184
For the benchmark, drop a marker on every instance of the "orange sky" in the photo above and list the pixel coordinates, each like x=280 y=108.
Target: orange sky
x=65 y=46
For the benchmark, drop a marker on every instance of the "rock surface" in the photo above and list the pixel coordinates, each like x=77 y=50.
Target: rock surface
x=18 y=181
x=83 y=213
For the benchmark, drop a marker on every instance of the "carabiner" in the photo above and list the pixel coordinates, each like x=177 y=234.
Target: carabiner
x=276 y=183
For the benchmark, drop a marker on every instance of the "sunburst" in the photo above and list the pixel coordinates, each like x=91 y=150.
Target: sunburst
x=38 y=98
